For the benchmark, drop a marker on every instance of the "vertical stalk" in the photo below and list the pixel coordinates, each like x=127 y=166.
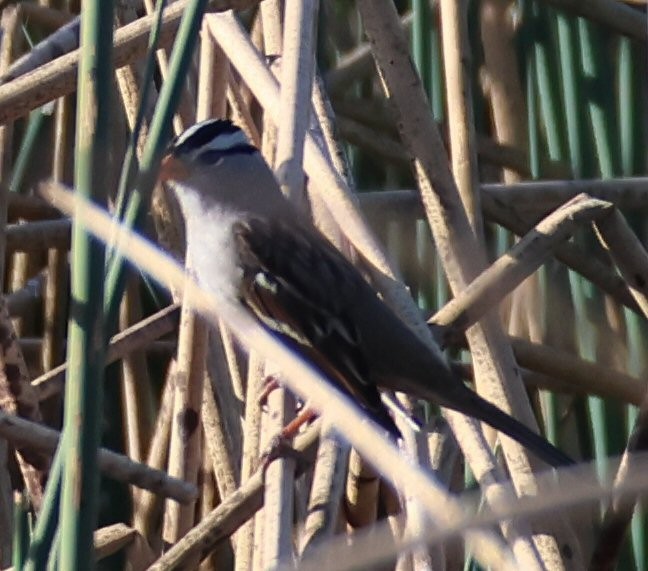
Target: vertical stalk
x=421 y=40
x=47 y=523
x=629 y=129
x=21 y=531
x=158 y=137
x=83 y=395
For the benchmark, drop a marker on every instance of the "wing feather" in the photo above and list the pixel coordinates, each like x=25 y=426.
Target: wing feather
x=301 y=288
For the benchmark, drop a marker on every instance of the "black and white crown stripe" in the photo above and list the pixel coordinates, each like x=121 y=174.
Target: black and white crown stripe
x=210 y=140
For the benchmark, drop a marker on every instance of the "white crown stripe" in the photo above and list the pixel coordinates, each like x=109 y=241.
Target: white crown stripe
x=191 y=130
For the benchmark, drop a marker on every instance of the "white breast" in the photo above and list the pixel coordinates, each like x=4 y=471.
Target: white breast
x=210 y=246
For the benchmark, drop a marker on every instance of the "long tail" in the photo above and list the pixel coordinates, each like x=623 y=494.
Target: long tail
x=473 y=405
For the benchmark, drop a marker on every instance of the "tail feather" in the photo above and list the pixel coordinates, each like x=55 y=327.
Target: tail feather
x=474 y=405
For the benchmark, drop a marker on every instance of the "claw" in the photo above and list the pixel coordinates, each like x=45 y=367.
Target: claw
x=270 y=383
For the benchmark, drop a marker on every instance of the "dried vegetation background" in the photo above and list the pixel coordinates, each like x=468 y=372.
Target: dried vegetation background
x=496 y=150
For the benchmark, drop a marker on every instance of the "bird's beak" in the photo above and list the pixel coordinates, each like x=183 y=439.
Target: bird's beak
x=172 y=169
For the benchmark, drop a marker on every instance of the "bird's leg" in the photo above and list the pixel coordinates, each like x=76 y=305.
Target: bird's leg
x=306 y=415
x=270 y=383
x=280 y=446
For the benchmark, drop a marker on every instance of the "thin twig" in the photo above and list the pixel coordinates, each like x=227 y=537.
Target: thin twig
x=45 y=440
x=57 y=78
x=131 y=339
x=500 y=278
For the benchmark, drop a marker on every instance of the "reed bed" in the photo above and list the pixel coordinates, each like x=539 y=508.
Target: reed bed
x=482 y=162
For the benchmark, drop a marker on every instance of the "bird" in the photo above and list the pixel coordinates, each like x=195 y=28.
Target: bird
x=249 y=245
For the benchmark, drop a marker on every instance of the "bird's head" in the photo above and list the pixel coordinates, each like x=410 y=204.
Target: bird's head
x=203 y=145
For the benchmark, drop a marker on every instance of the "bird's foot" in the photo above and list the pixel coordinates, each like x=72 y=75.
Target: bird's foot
x=280 y=447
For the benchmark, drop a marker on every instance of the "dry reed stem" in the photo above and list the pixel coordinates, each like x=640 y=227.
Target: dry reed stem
x=249 y=455
x=456 y=65
x=326 y=491
x=185 y=114
x=217 y=444
x=488 y=289
x=135 y=337
x=327 y=124
x=56 y=281
x=464 y=169
x=361 y=494
x=186 y=434
x=421 y=557
x=570 y=254
x=502 y=87
x=135 y=381
x=29 y=208
x=128 y=81
x=378 y=544
x=240 y=111
x=508 y=109
x=147 y=506
x=35 y=236
x=226 y=518
x=445 y=460
x=532 y=199
x=208 y=501
x=373 y=141
x=498 y=378
x=273 y=524
x=39 y=438
x=394 y=204
x=361 y=122
x=18 y=397
x=111 y=539
x=236 y=360
x=535 y=198
x=227 y=404
x=631 y=259
x=61 y=41
x=23 y=301
x=57 y=78
x=356 y=65
x=212 y=79
x=576 y=376
x=185 y=445
x=297 y=47
x=496 y=487
x=324 y=128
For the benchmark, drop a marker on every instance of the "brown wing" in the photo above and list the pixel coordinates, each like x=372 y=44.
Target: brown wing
x=300 y=288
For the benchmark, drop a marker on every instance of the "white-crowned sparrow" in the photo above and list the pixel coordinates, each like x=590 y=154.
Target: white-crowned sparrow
x=249 y=245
